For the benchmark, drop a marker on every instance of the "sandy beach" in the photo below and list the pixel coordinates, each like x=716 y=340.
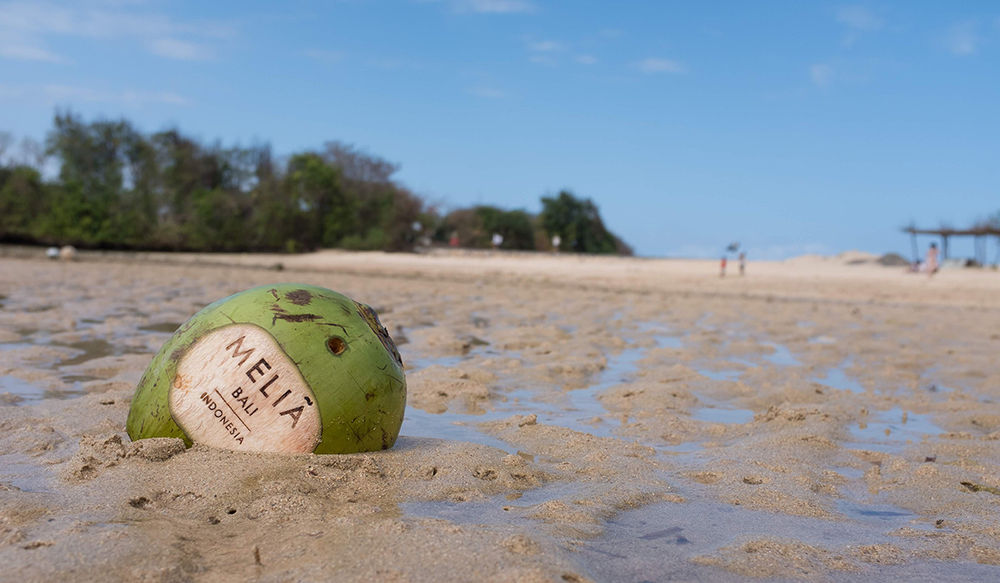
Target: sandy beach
x=568 y=419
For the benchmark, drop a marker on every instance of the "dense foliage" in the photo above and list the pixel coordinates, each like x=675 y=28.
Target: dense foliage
x=119 y=188
x=579 y=225
x=474 y=227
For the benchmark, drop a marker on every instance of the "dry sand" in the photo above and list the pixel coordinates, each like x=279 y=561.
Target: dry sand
x=569 y=419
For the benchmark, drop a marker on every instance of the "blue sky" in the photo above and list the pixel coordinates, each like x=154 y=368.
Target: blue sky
x=794 y=127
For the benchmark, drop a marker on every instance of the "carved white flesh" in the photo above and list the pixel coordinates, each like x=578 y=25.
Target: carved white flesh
x=235 y=388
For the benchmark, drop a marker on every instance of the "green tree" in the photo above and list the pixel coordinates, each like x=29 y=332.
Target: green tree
x=21 y=202
x=217 y=221
x=384 y=211
x=91 y=174
x=516 y=227
x=118 y=187
x=69 y=216
x=475 y=227
x=578 y=224
x=326 y=215
x=107 y=173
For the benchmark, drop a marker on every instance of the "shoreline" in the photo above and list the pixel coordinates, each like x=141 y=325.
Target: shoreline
x=801 y=278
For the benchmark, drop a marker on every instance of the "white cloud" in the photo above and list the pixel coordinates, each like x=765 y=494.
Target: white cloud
x=543 y=59
x=493 y=6
x=180 y=50
x=25 y=27
x=586 y=59
x=858 y=18
x=55 y=94
x=127 y=97
x=487 y=92
x=963 y=39
x=545 y=46
x=657 y=65
x=392 y=63
x=324 y=55
x=8 y=92
x=821 y=74
x=544 y=52
x=47 y=18
x=166 y=97
x=28 y=52
x=19 y=39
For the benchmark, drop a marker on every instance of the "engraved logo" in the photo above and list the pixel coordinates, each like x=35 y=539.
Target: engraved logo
x=235 y=388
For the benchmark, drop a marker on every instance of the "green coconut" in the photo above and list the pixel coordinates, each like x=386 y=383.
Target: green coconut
x=284 y=368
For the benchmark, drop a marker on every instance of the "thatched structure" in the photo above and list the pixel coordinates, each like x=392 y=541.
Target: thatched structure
x=981 y=236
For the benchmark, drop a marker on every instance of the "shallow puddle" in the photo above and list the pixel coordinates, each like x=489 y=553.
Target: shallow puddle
x=620 y=368
x=25 y=392
x=663 y=336
x=838 y=379
x=675 y=342
x=637 y=544
x=88 y=350
x=6 y=346
x=731 y=375
x=939 y=388
x=419 y=423
x=883 y=514
x=19 y=387
x=889 y=431
x=24 y=473
x=583 y=411
x=723 y=415
x=781 y=356
x=82 y=352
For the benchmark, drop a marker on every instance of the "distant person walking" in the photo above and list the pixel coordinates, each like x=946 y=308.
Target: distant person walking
x=556 y=241
x=931 y=263
x=722 y=267
x=743 y=263
x=497 y=241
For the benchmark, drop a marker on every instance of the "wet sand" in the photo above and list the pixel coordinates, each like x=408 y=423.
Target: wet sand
x=568 y=419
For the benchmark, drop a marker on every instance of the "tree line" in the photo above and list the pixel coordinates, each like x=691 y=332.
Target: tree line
x=119 y=188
